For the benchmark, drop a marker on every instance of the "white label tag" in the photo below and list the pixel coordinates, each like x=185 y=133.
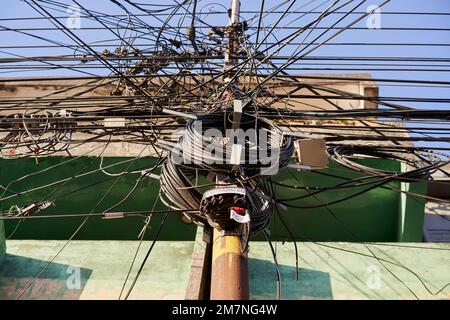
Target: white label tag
x=114 y=122
x=237 y=105
x=219 y=190
x=239 y=218
x=236 y=151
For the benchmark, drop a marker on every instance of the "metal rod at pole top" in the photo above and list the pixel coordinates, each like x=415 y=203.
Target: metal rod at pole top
x=235 y=10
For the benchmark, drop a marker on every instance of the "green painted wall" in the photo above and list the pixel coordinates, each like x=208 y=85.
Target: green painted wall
x=81 y=195
x=338 y=222
x=372 y=216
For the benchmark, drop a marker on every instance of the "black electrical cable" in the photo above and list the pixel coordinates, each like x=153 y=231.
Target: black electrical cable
x=130 y=289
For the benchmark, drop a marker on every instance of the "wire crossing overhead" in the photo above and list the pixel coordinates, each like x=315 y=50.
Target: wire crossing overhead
x=223 y=99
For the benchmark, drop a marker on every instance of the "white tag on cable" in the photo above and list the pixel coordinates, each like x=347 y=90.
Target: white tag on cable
x=237 y=106
x=236 y=151
x=239 y=218
x=114 y=122
x=113 y=215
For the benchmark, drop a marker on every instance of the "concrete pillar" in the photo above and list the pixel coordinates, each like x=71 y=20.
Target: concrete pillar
x=198 y=284
x=411 y=211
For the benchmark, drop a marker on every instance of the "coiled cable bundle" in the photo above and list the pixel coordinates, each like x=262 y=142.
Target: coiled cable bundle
x=207 y=149
x=177 y=191
x=344 y=155
x=209 y=143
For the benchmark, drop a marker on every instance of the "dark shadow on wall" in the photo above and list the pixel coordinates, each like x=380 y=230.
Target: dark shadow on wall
x=311 y=284
x=436 y=226
x=57 y=282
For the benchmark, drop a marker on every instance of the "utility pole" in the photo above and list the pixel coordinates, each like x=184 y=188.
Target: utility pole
x=229 y=267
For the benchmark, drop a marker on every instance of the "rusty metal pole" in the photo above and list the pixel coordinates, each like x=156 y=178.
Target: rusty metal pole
x=229 y=272
x=229 y=265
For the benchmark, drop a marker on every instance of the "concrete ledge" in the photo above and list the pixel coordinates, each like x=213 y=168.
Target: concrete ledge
x=94 y=269
x=199 y=277
x=328 y=270
x=344 y=271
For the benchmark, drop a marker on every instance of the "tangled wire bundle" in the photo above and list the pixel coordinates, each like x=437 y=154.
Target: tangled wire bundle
x=420 y=169
x=259 y=156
